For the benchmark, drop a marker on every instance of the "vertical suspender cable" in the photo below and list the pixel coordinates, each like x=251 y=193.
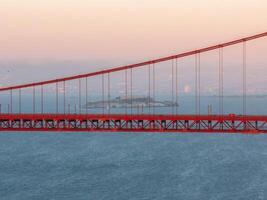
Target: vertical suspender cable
x=86 y=94
x=64 y=100
x=57 y=97
x=176 y=87
x=131 y=85
x=220 y=81
x=221 y=112
x=126 y=90
x=19 y=101
x=149 y=95
x=33 y=100
x=172 y=105
x=64 y=97
x=199 y=88
x=196 y=86
x=109 y=93
x=42 y=99
x=154 y=87
x=103 y=94
x=11 y=101
x=220 y=88
x=86 y=99
x=244 y=79
x=80 y=97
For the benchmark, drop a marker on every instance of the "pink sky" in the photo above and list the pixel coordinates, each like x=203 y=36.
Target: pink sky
x=35 y=33
x=122 y=29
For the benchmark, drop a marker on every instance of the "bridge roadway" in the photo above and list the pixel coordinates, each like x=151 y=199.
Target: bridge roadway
x=249 y=124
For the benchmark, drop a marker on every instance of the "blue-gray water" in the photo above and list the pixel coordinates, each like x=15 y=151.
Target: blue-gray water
x=137 y=166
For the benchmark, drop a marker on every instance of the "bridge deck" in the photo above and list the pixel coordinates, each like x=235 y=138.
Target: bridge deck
x=134 y=123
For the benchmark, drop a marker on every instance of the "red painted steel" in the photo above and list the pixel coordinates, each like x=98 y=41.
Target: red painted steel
x=134 y=122
x=116 y=69
x=250 y=124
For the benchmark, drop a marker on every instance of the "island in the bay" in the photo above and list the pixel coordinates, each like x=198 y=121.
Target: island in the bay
x=134 y=102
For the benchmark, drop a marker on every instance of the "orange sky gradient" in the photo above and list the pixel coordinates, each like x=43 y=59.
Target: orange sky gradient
x=79 y=36
x=121 y=29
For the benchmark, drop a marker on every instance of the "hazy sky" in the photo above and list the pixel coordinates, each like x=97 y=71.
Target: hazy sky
x=56 y=34
x=122 y=29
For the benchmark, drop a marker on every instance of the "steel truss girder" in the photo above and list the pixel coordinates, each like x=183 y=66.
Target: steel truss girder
x=135 y=123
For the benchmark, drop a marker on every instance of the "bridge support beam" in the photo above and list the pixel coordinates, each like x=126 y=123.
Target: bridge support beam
x=134 y=123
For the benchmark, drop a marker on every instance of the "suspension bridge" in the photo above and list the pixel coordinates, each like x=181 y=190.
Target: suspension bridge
x=61 y=104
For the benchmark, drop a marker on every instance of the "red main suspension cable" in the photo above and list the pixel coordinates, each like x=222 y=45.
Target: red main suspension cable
x=110 y=70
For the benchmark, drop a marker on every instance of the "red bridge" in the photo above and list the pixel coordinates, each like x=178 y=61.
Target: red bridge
x=63 y=104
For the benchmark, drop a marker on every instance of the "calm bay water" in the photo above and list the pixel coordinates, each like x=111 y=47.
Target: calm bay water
x=119 y=166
